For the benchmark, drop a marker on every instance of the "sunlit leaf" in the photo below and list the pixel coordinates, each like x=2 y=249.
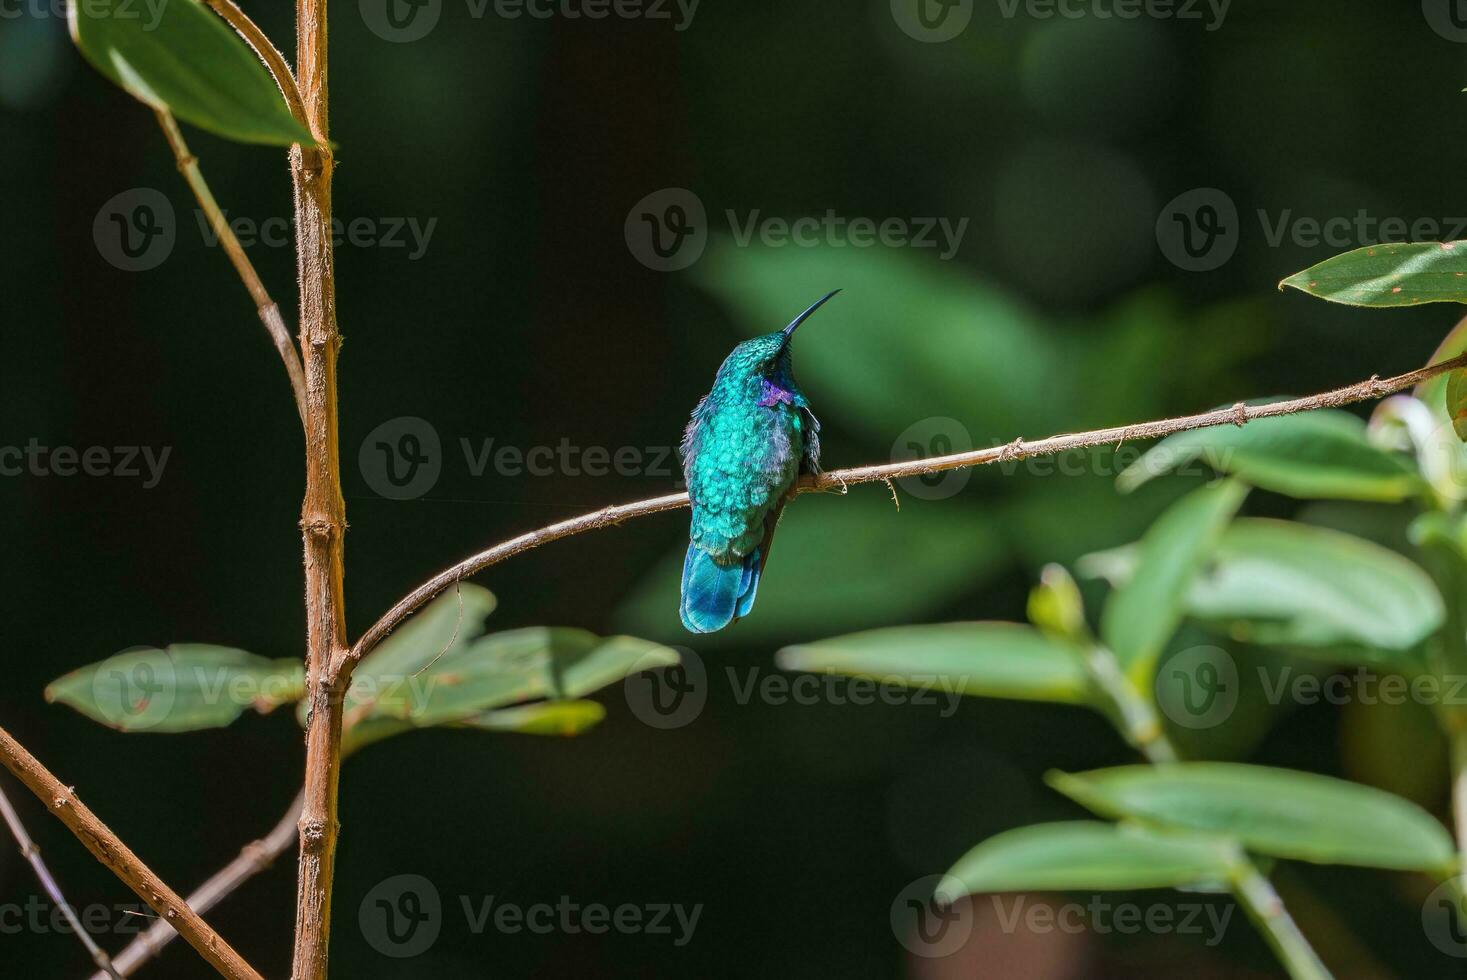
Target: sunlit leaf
x=1280 y=812
x=1312 y=454
x=1000 y=660
x=1086 y=855
x=541 y=718
x=1055 y=605
x=181 y=688
x=181 y=57
x=1142 y=614
x=1391 y=274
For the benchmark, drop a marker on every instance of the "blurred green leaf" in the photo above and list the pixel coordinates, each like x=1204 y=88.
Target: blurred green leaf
x=541 y=718
x=1055 y=605
x=1142 y=614
x=844 y=562
x=181 y=57
x=999 y=660
x=1312 y=454
x=1280 y=812
x=1456 y=394
x=1390 y=274
x=1084 y=854
x=909 y=338
x=1284 y=583
x=181 y=688
x=1432 y=390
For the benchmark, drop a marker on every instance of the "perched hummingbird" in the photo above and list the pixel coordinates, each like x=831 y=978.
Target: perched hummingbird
x=750 y=437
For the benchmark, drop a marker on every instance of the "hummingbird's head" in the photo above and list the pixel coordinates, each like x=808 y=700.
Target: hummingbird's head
x=769 y=355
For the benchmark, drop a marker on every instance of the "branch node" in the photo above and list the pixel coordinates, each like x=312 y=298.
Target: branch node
x=1240 y=414
x=1012 y=450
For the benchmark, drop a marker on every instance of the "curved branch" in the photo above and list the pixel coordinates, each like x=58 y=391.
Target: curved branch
x=253 y=858
x=267 y=52
x=1238 y=414
x=121 y=861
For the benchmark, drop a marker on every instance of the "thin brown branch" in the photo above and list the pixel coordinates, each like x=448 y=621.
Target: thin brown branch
x=323 y=512
x=268 y=53
x=253 y=859
x=32 y=853
x=1239 y=414
x=122 y=862
x=188 y=165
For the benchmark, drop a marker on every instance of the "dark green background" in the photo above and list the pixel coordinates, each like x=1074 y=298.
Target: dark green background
x=528 y=320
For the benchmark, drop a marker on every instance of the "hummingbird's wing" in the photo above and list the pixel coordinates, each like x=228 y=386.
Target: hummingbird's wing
x=690 y=434
x=810 y=458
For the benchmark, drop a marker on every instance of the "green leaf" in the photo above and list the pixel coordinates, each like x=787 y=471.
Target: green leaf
x=999 y=660
x=180 y=57
x=1392 y=274
x=1055 y=605
x=1141 y=615
x=832 y=566
x=181 y=688
x=1293 y=584
x=542 y=718
x=1084 y=854
x=1279 y=812
x=1312 y=454
x=1457 y=402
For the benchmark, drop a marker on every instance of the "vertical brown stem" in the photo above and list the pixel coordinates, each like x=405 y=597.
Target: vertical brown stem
x=323 y=515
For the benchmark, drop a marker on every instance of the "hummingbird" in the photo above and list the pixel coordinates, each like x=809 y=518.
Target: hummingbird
x=749 y=439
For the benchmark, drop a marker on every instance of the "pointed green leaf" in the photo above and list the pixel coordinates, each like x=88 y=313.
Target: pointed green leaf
x=1055 y=605
x=1391 y=274
x=998 y=660
x=181 y=688
x=1313 y=454
x=1141 y=615
x=181 y=57
x=541 y=718
x=1457 y=402
x=1084 y=854
x=1303 y=586
x=1280 y=812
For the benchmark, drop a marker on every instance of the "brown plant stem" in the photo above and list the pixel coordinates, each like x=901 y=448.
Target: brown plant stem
x=1238 y=414
x=32 y=854
x=122 y=862
x=269 y=312
x=254 y=858
x=323 y=513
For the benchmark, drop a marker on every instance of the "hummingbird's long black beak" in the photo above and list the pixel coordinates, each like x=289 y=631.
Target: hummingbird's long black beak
x=789 y=331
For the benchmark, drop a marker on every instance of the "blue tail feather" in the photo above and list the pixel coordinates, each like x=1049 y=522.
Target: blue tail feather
x=715 y=595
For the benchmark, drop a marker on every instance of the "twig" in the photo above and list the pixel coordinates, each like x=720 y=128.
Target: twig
x=323 y=512
x=1263 y=905
x=32 y=853
x=1238 y=414
x=268 y=53
x=253 y=859
x=116 y=856
x=188 y=165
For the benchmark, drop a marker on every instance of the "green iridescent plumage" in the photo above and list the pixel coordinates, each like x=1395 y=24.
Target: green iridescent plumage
x=749 y=439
